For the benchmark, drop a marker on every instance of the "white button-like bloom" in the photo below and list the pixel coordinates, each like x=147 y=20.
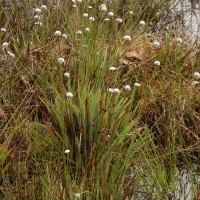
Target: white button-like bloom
x=67 y=151
x=131 y=12
x=36 y=17
x=85 y=15
x=43 y=7
x=127 y=87
x=116 y=90
x=179 y=40
x=103 y=8
x=64 y=36
x=127 y=38
x=156 y=44
x=5 y=45
x=107 y=19
x=142 y=23
x=77 y=195
x=137 y=85
x=38 y=23
x=112 y=69
x=12 y=55
x=195 y=83
x=110 y=14
x=3 y=30
x=92 y=19
x=119 y=20
x=66 y=75
x=73 y=1
x=38 y=10
x=79 y=32
x=61 y=60
x=90 y=7
x=87 y=29
x=69 y=95
x=196 y=75
x=157 y=63
x=74 y=6
x=57 y=33
x=110 y=90
x=79 y=1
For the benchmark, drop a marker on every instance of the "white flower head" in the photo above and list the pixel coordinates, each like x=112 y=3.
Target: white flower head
x=77 y=195
x=87 y=29
x=142 y=23
x=12 y=55
x=57 y=33
x=67 y=151
x=103 y=8
x=116 y=90
x=66 y=75
x=79 y=1
x=61 y=60
x=43 y=7
x=3 y=29
x=137 y=85
x=156 y=44
x=92 y=19
x=36 y=17
x=195 y=83
x=157 y=63
x=64 y=36
x=127 y=87
x=73 y=1
x=197 y=75
x=38 y=10
x=107 y=19
x=90 y=7
x=112 y=69
x=85 y=15
x=119 y=20
x=131 y=12
x=110 y=90
x=179 y=40
x=38 y=23
x=69 y=95
x=127 y=38
x=74 y=6
x=79 y=32
x=110 y=14
x=5 y=45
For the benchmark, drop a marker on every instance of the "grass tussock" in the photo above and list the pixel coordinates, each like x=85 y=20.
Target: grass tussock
x=93 y=114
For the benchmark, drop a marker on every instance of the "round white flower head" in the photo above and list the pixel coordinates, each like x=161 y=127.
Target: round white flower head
x=61 y=60
x=43 y=7
x=69 y=95
x=5 y=44
x=103 y=9
x=36 y=17
x=66 y=75
x=38 y=23
x=107 y=19
x=90 y=7
x=116 y=90
x=110 y=90
x=12 y=55
x=137 y=85
x=77 y=195
x=92 y=19
x=87 y=29
x=79 y=1
x=73 y=1
x=85 y=15
x=127 y=87
x=102 y=5
x=142 y=23
x=156 y=44
x=127 y=38
x=179 y=40
x=131 y=12
x=57 y=33
x=195 y=83
x=64 y=36
x=79 y=32
x=112 y=69
x=196 y=75
x=119 y=20
x=110 y=14
x=38 y=10
x=157 y=63
x=3 y=30
x=74 y=6
x=67 y=151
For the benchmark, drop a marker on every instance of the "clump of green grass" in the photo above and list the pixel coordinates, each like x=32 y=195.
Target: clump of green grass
x=121 y=144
